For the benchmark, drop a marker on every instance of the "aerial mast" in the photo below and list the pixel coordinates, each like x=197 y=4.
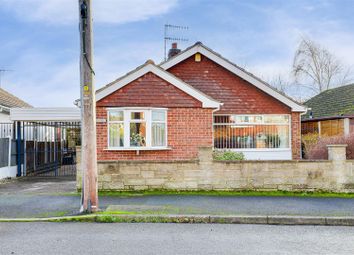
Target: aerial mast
x=170 y=35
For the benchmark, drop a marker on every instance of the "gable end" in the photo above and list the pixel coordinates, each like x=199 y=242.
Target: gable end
x=207 y=102
x=200 y=48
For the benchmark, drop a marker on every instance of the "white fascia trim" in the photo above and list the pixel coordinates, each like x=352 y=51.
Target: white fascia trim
x=232 y=68
x=206 y=101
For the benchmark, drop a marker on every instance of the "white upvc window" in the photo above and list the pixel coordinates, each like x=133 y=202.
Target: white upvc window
x=137 y=128
x=259 y=131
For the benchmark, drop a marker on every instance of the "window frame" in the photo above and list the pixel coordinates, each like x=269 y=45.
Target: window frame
x=115 y=122
x=127 y=120
x=255 y=124
x=159 y=122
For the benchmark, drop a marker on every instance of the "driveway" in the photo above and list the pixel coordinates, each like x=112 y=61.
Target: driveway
x=45 y=197
x=38 y=197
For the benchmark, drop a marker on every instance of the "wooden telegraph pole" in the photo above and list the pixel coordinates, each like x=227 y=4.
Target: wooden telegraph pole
x=89 y=197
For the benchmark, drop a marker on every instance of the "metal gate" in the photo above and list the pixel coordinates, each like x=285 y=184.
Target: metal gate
x=48 y=148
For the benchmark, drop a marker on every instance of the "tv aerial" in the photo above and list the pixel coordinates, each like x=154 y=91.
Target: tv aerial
x=171 y=35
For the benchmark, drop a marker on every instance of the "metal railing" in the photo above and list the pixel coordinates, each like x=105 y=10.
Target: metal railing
x=40 y=148
x=6 y=130
x=231 y=132
x=49 y=147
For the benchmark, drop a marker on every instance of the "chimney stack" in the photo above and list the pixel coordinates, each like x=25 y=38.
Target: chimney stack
x=173 y=51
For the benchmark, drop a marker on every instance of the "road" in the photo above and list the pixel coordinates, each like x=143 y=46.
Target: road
x=93 y=238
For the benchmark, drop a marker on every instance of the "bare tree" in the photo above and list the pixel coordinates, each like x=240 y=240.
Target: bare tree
x=317 y=68
x=286 y=86
x=280 y=83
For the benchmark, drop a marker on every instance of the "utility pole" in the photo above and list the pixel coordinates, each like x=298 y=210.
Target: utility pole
x=89 y=196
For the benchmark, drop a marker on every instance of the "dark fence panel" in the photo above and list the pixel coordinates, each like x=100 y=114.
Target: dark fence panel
x=50 y=148
x=4 y=152
x=6 y=130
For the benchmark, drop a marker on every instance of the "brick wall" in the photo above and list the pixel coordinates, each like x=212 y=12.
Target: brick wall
x=149 y=91
x=238 y=95
x=188 y=129
x=189 y=126
x=296 y=135
x=185 y=135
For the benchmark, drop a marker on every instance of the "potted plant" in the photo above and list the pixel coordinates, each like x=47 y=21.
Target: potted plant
x=137 y=140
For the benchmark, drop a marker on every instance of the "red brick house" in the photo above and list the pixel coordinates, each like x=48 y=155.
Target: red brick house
x=195 y=99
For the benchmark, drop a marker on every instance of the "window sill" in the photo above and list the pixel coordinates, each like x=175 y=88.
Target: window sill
x=139 y=149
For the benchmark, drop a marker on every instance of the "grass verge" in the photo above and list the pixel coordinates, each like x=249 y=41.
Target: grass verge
x=226 y=193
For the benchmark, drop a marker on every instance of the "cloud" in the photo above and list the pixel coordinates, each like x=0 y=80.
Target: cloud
x=109 y=65
x=49 y=83
x=45 y=82
x=105 y=11
x=285 y=30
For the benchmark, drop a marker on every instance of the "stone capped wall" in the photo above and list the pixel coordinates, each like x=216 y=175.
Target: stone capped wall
x=205 y=174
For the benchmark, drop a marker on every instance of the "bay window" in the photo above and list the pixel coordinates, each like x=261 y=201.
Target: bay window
x=137 y=128
x=252 y=131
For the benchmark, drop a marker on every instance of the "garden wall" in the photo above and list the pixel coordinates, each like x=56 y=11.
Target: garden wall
x=334 y=175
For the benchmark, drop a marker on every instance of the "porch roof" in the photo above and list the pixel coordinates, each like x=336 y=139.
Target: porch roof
x=62 y=114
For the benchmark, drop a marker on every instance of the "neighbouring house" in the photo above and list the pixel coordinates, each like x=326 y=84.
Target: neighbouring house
x=7 y=149
x=331 y=113
x=196 y=98
x=8 y=101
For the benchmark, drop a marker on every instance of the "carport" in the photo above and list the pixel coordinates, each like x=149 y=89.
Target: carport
x=46 y=140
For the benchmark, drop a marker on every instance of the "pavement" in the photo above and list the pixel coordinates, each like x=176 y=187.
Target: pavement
x=92 y=238
x=51 y=197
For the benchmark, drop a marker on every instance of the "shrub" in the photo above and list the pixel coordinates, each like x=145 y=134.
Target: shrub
x=309 y=141
x=228 y=155
x=320 y=151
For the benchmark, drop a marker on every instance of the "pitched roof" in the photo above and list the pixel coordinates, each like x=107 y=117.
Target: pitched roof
x=333 y=102
x=257 y=82
x=149 y=66
x=11 y=101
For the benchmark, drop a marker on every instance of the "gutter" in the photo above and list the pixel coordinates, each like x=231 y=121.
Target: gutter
x=328 y=118
x=4 y=109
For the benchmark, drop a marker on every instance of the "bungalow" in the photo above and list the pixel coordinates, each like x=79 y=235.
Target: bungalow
x=196 y=98
x=331 y=113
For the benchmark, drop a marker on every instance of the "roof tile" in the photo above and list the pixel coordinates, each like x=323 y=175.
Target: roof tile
x=333 y=102
x=11 y=101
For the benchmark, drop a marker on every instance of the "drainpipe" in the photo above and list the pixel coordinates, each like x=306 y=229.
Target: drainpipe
x=300 y=130
x=212 y=125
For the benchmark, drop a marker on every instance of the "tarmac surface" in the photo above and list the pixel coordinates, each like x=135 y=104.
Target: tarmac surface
x=145 y=238
x=46 y=197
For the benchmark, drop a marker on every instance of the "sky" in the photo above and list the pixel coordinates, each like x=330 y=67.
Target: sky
x=39 y=39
